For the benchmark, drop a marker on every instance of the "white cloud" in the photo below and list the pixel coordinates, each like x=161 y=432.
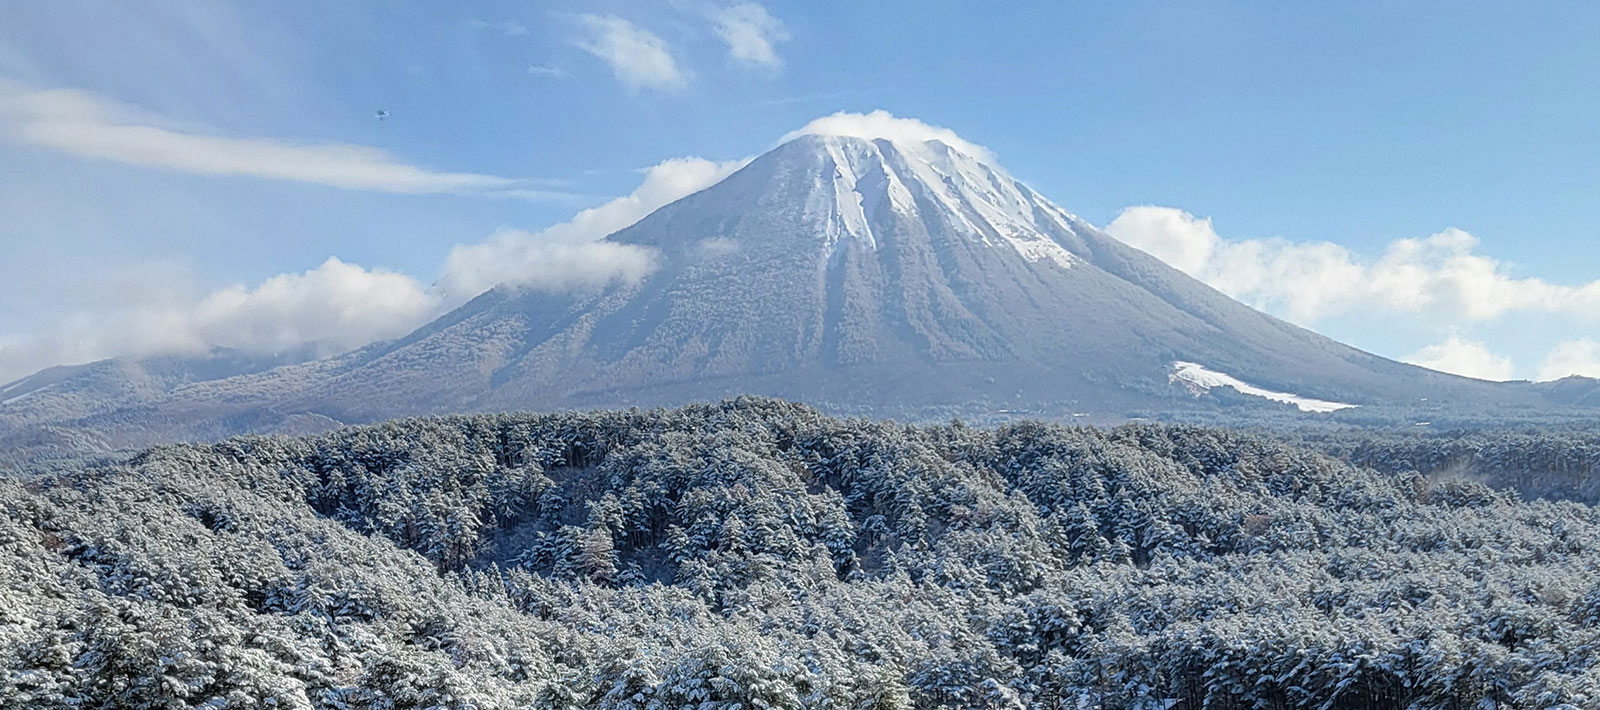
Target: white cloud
x=86 y=125
x=1572 y=357
x=509 y=28
x=1178 y=238
x=825 y=96
x=548 y=72
x=884 y=125
x=1441 y=282
x=1468 y=358
x=514 y=256
x=339 y=304
x=640 y=59
x=751 y=33
x=569 y=256
x=1441 y=275
x=157 y=309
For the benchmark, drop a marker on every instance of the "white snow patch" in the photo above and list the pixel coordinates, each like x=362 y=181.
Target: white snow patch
x=848 y=201
x=969 y=188
x=998 y=200
x=1036 y=249
x=981 y=200
x=1200 y=380
x=20 y=397
x=840 y=210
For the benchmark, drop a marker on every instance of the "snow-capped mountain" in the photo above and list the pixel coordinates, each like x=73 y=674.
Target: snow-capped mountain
x=869 y=274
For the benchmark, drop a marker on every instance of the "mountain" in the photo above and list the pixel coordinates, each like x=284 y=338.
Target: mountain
x=76 y=391
x=879 y=276
x=65 y=407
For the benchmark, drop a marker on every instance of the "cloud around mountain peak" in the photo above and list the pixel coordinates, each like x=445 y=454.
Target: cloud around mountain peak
x=881 y=124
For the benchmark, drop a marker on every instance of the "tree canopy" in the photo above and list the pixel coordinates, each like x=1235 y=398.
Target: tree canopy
x=756 y=553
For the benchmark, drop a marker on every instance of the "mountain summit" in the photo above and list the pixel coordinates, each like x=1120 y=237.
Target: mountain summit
x=866 y=274
x=871 y=271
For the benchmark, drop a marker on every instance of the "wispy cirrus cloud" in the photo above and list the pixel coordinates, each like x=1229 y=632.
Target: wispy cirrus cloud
x=643 y=60
x=155 y=308
x=545 y=71
x=159 y=308
x=639 y=58
x=90 y=126
x=751 y=33
x=825 y=96
x=509 y=28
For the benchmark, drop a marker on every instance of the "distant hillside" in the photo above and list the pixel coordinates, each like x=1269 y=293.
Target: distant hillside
x=75 y=392
x=84 y=409
x=759 y=554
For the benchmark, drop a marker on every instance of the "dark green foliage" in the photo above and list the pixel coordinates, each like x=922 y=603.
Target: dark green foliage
x=758 y=554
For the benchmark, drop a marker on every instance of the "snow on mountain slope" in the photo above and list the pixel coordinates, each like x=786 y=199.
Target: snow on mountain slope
x=73 y=392
x=1201 y=380
x=987 y=205
x=8 y=399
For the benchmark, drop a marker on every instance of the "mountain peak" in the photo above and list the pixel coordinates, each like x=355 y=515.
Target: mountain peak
x=860 y=176
x=905 y=133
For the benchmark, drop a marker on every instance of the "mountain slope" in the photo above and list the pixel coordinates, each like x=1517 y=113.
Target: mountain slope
x=834 y=262
x=34 y=409
x=872 y=275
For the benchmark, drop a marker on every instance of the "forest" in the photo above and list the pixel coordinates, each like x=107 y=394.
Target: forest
x=759 y=554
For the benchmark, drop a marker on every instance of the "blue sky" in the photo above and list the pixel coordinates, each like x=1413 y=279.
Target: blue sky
x=1417 y=179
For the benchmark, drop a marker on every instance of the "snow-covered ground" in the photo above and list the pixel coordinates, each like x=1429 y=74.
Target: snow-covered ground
x=1201 y=379
x=7 y=397
x=979 y=199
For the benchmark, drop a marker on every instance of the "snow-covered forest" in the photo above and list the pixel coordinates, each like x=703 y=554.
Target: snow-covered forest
x=1536 y=462
x=757 y=554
